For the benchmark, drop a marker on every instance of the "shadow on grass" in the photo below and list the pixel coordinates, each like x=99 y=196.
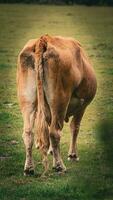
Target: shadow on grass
x=105 y=137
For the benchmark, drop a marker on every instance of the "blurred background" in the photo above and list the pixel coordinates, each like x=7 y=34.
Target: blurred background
x=68 y=2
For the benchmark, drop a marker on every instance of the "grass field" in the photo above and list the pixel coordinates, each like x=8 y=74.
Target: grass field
x=92 y=177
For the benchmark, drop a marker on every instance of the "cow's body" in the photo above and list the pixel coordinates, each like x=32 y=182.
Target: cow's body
x=55 y=81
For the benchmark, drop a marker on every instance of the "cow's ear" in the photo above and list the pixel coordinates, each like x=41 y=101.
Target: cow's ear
x=27 y=59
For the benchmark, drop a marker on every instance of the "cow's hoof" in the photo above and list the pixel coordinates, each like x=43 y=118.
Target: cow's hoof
x=28 y=172
x=73 y=157
x=59 y=168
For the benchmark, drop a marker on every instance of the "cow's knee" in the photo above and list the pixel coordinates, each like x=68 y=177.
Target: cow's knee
x=55 y=136
x=28 y=138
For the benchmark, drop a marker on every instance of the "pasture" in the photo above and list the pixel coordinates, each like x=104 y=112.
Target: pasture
x=92 y=177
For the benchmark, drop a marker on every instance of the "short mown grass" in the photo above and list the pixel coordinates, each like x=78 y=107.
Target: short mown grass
x=92 y=177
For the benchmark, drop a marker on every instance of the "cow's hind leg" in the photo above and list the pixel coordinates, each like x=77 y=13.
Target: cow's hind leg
x=58 y=164
x=29 y=117
x=74 y=127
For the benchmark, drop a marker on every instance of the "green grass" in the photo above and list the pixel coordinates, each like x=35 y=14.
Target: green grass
x=92 y=177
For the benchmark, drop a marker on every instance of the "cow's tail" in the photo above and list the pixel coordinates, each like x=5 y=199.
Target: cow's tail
x=42 y=130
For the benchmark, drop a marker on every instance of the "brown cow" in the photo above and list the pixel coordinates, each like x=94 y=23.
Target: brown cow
x=55 y=81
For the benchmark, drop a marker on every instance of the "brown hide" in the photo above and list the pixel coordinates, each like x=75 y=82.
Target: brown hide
x=55 y=81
